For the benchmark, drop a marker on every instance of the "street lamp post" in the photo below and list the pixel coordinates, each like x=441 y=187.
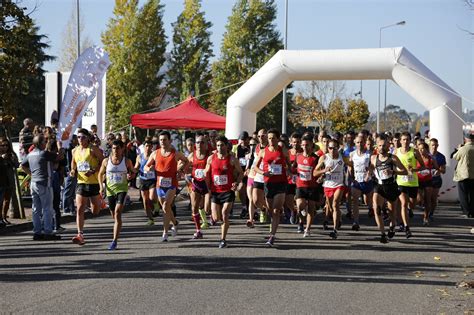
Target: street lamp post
x=284 y=113
x=378 y=99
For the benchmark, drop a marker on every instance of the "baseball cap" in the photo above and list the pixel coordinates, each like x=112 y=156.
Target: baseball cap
x=244 y=135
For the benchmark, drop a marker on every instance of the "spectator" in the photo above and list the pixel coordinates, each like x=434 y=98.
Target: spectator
x=37 y=164
x=108 y=144
x=57 y=169
x=94 y=131
x=10 y=161
x=26 y=136
x=70 y=182
x=464 y=174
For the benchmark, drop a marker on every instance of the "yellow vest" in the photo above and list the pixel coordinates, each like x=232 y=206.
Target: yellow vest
x=85 y=161
x=407 y=159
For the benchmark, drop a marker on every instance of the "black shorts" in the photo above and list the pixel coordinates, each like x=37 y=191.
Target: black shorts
x=258 y=185
x=437 y=182
x=311 y=194
x=425 y=184
x=273 y=189
x=200 y=187
x=221 y=198
x=88 y=190
x=387 y=191
x=291 y=189
x=412 y=192
x=146 y=184
x=113 y=200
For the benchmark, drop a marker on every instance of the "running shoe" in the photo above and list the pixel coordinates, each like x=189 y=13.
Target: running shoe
x=198 y=235
x=164 y=238
x=113 y=245
x=250 y=224
x=300 y=228
x=410 y=213
x=408 y=233
x=339 y=224
x=60 y=229
x=263 y=217
x=174 y=230
x=426 y=222
x=401 y=227
x=355 y=227
x=244 y=213
x=52 y=237
x=391 y=232
x=307 y=233
x=270 y=241
x=212 y=222
x=333 y=234
x=222 y=244
x=150 y=222
x=383 y=239
x=79 y=239
x=293 y=218
x=38 y=237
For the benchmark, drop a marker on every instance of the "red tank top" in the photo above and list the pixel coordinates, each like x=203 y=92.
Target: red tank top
x=275 y=162
x=222 y=174
x=292 y=178
x=306 y=165
x=198 y=167
x=425 y=175
x=166 y=169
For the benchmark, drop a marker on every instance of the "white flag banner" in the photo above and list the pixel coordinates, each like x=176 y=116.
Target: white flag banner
x=88 y=71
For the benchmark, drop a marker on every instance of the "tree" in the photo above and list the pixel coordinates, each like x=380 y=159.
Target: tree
x=136 y=42
x=249 y=41
x=192 y=48
x=68 y=53
x=313 y=100
x=398 y=120
x=349 y=114
x=22 y=57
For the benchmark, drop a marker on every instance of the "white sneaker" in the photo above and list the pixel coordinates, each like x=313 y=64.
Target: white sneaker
x=164 y=238
x=307 y=234
x=174 y=230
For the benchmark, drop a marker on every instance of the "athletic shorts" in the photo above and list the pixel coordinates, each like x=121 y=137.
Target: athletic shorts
x=88 y=190
x=250 y=182
x=118 y=198
x=146 y=184
x=388 y=191
x=161 y=191
x=329 y=191
x=364 y=187
x=424 y=184
x=412 y=192
x=308 y=193
x=200 y=187
x=273 y=189
x=437 y=182
x=244 y=180
x=258 y=185
x=291 y=189
x=224 y=197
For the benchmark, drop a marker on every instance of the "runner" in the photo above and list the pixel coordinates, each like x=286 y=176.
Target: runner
x=385 y=166
x=166 y=160
x=275 y=163
x=258 y=194
x=250 y=181
x=147 y=181
x=332 y=166
x=295 y=142
x=223 y=174
x=307 y=189
x=118 y=170
x=85 y=165
x=359 y=162
x=425 y=178
x=199 y=191
x=241 y=151
x=437 y=180
x=407 y=184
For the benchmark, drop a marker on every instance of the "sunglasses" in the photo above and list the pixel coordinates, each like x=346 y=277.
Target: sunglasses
x=81 y=137
x=331 y=148
x=199 y=142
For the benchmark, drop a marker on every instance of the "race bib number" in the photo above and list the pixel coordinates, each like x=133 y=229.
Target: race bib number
x=220 y=180
x=115 y=178
x=243 y=161
x=149 y=175
x=276 y=169
x=407 y=178
x=165 y=182
x=199 y=173
x=385 y=174
x=425 y=172
x=359 y=177
x=434 y=172
x=305 y=176
x=83 y=166
x=333 y=177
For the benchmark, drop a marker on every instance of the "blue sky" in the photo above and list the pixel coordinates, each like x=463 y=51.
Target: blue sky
x=432 y=33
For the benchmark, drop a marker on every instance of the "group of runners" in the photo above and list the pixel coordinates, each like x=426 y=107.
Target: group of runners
x=274 y=179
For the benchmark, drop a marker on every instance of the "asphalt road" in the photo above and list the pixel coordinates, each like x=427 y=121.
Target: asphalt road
x=353 y=274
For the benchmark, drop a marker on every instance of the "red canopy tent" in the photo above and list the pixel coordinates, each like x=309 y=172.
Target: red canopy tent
x=187 y=115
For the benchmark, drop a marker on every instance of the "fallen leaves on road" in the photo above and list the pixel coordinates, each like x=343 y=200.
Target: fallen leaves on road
x=465 y=284
x=443 y=292
x=417 y=273
x=437 y=258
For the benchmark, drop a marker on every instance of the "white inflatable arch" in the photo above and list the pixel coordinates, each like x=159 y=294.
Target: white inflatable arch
x=396 y=64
